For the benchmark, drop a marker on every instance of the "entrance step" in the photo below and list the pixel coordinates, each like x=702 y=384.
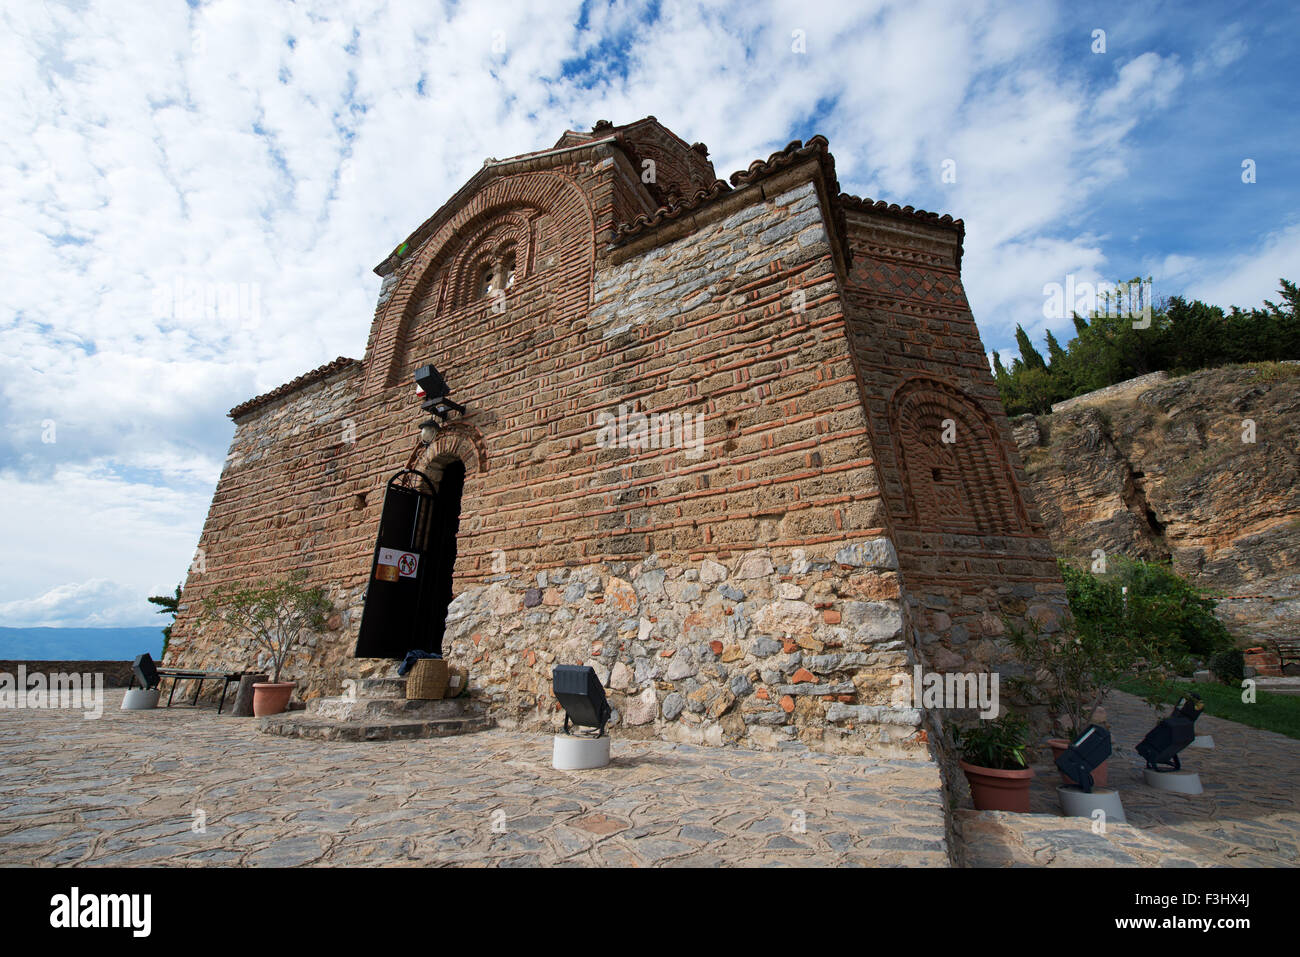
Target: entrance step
x=390 y=708
x=378 y=710
x=382 y=687
x=304 y=724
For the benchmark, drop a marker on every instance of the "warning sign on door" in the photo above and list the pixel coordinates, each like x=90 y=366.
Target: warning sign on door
x=394 y=564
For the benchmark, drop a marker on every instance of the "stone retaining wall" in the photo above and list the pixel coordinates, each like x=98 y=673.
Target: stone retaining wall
x=1112 y=391
x=117 y=674
x=770 y=647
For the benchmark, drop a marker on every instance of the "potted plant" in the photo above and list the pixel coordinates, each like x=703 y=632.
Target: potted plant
x=993 y=760
x=1072 y=671
x=273 y=616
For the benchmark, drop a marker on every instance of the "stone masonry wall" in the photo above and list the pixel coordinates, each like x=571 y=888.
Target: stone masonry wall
x=291 y=497
x=747 y=652
x=783 y=481
x=971 y=548
x=693 y=570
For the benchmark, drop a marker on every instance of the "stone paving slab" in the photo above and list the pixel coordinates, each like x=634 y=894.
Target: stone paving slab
x=1249 y=815
x=132 y=788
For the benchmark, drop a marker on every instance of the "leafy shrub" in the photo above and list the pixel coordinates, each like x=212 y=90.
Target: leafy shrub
x=1229 y=666
x=1071 y=672
x=272 y=615
x=1159 y=605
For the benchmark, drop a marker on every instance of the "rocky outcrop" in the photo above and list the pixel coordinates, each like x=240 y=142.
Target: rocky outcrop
x=1200 y=470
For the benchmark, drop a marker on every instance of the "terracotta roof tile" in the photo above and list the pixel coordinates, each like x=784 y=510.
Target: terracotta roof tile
x=907 y=212
x=645 y=222
x=307 y=378
x=794 y=152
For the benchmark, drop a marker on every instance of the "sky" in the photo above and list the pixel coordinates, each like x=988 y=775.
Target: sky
x=193 y=196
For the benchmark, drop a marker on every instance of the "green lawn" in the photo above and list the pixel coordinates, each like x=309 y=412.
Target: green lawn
x=1272 y=712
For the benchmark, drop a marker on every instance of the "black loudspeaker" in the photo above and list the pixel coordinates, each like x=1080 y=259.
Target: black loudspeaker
x=144 y=671
x=1190 y=707
x=1084 y=755
x=580 y=694
x=1165 y=740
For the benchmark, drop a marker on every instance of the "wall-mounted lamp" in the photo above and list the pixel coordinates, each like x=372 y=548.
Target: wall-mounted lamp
x=432 y=388
x=430 y=384
x=429 y=430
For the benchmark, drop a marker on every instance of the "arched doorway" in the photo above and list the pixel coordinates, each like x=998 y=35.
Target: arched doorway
x=442 y=549
x=415 y=558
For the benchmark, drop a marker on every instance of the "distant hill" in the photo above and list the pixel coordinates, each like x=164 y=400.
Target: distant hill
x=79 y=644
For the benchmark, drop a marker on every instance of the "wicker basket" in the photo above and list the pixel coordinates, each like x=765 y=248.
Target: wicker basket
x=428 y=679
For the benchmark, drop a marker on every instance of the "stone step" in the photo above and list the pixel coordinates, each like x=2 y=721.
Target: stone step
x=365 y=709
x=305 y=725
x=386 y=687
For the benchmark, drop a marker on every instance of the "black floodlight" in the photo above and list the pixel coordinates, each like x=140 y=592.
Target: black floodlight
x=430 y=384
x=1172 y=734
x=145 y=672
x=580 y=694
x=1084 y=755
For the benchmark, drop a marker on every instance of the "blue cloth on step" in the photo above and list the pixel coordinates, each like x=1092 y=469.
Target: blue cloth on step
x=411 y=658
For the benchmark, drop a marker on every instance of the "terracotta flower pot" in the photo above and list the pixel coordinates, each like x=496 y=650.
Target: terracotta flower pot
x=1099 y=775
x=271 y=697
x=993 y=789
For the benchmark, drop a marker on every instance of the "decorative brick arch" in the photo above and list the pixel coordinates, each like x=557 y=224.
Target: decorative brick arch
x=502 y=229
x=507 y=206
x=965 y=485
x=457 y=441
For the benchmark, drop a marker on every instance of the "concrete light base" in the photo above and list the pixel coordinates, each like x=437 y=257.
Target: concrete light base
x=573 y=753
x=1179 y=782
x=1202 y=741
x=1078 y=803
x=139 y=699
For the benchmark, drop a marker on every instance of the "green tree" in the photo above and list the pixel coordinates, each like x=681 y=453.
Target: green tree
x=170 y=605
x=1113 y=344
x=1030 y=357
x=272 y=615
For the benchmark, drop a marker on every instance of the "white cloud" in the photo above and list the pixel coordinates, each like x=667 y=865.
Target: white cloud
x=1228 y=47
x=86 y=523
x=288 y=150
x=96 y=603
x=1245 y=279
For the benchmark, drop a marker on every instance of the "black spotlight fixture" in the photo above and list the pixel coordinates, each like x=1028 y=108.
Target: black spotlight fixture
x=430 y=384
x=579 y=692
x=432 y=388
x=1172 y=734
x=1084 y=755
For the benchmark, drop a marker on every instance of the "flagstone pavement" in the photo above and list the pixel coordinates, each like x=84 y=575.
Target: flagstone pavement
x=183 y=787
x=1248 y=816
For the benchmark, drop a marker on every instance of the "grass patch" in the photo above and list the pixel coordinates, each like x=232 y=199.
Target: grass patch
x=1270 y=712
x=1274 y=371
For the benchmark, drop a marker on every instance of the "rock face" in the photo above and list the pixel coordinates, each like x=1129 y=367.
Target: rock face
x=1203 y=471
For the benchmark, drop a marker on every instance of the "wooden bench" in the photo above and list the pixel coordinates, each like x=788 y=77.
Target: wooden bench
x=1287 y=651
x=150 y=676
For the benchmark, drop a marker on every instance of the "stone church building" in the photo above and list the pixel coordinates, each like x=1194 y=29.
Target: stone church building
x=736 y=445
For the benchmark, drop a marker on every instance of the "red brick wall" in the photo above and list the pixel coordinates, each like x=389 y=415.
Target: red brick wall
x=971 y=548
x=748 y=593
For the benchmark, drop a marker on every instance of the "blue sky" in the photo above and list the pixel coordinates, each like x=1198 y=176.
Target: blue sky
x=269 y=154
